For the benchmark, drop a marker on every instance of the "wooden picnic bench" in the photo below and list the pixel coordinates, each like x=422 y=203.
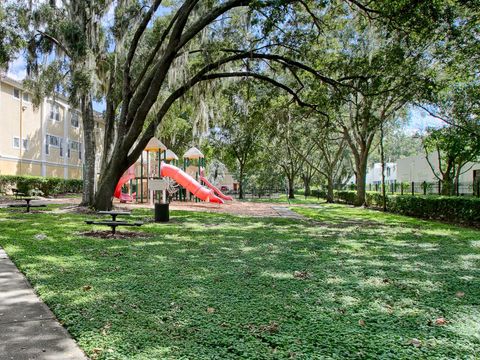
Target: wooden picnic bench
x=113 y=224
x=27 y=205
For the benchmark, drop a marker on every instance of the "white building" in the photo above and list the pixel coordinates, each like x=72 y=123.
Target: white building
x=374 y=174
x=417 y=169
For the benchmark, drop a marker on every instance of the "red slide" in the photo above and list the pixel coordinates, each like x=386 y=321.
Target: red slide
x=126 y=177
x=189 y=183
x=215 y=189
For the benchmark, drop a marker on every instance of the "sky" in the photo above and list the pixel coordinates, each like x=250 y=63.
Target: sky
x=419 y=120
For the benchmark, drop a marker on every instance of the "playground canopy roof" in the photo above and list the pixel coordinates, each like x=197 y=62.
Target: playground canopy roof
x=170 y=155
x=193 y=153
x=155 y=145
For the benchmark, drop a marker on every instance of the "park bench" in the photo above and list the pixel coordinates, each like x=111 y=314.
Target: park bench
x=114 y=223
x=27 y=204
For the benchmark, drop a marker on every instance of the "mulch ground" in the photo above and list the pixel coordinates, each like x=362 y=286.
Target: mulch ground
x=233 y=208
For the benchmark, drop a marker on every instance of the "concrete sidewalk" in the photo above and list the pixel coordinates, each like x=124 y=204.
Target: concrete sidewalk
x=28 y=329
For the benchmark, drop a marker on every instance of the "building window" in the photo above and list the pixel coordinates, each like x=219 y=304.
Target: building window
x=26 y=97
x=75 y=146
x=16 y=93
x=25 y=144
x=55 y=112
x=53 y=140
x=16 y=143
x=388 y=171
x=74 y=119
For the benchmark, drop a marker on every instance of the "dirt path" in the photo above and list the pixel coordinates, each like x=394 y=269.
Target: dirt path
x=242 y=208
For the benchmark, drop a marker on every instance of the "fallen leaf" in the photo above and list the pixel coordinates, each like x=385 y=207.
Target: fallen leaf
x=361 y=322
x=302 y=275
x=440 y=321
x=272 y=327
x=415 y=342
x=460 y=294
x=210 y=310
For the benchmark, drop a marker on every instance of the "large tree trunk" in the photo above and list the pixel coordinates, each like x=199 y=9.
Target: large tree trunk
x=240 y=183
x=89 y=146
x=306 y=182
x=291 y=194
x=109 y=178
x=447 y=185
x=382 y=156
x=330 y=198
x=361 y=180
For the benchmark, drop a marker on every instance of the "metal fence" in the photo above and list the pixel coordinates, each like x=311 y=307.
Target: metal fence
x=258 y=193
x=428 y=188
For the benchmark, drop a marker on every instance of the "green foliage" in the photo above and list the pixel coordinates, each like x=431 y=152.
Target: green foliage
x=450 y=208
x=346 y=196
x=47 y=185
x=353 y=284
x=12 y=17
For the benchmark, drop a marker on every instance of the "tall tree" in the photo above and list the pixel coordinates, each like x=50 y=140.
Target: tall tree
x=453 y=149
x=241 y=134
x=12 y=24
x=66 y=54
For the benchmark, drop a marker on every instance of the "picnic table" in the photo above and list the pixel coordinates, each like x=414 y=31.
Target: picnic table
x=27 y=205
x=113 y=224
x=114 y=213
x=17 y=193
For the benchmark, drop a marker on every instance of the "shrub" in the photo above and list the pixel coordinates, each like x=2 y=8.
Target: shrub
x=47 y=185
x=345 y=196
x=457 y=209
x=320 y=194
x=374 y=199
x=451 y=208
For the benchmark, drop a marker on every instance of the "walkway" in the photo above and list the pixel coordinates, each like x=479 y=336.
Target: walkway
x=285 y=212
x=28 y=329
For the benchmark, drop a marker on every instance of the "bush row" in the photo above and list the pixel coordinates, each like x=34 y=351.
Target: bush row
x=452 y=208
x=47 y=185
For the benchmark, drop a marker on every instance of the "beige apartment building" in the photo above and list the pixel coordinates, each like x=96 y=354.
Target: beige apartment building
x=44 y=140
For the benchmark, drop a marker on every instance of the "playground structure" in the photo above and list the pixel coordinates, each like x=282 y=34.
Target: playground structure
x=157 y=173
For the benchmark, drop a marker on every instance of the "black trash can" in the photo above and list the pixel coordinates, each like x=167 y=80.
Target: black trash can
x=162 y=213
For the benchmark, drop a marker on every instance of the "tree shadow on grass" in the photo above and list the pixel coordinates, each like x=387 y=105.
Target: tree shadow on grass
x=218 y=286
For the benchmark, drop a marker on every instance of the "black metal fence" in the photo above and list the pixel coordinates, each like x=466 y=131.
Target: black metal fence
x=428 y=188
x=258 y=193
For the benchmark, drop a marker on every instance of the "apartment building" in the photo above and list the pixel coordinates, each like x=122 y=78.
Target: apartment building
x=44 y=140
x=417 y=169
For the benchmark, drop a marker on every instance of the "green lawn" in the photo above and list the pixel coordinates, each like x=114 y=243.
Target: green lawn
x=350 y=283
x=282 y=199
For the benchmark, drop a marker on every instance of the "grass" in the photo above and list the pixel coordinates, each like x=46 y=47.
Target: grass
x=350 y=283
x=282 y=199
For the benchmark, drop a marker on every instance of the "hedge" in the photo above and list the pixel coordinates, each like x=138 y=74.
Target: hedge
x=47 y=185
x=452 y=208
